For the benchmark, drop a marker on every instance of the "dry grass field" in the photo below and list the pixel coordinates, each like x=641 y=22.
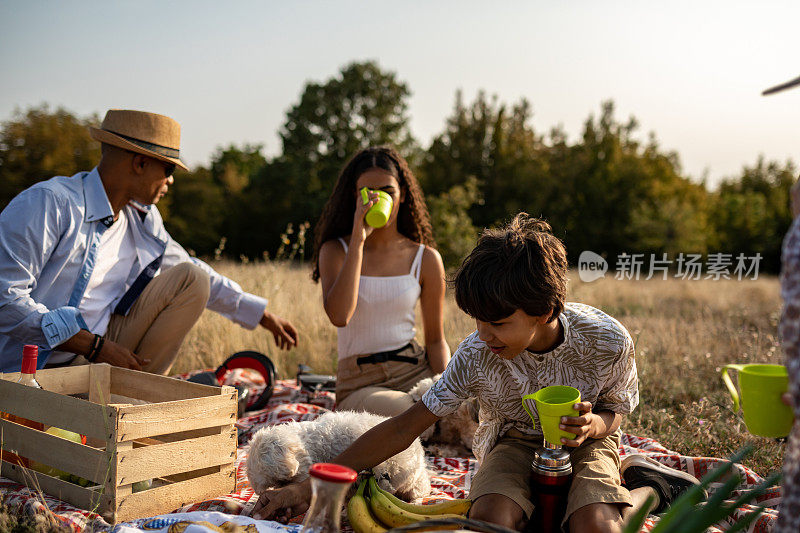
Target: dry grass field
x=684 y=332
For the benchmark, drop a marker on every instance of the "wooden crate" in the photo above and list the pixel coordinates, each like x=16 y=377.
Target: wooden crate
x=139 y=427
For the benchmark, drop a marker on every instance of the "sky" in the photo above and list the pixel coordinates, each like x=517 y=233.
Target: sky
x=689 y=71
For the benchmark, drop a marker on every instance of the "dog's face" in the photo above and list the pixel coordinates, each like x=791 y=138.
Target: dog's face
x=277 y=457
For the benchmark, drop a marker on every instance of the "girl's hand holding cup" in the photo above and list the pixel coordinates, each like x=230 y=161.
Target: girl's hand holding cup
x=361 y=229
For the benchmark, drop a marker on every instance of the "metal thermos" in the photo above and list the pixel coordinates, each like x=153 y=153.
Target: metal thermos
x=550 y=480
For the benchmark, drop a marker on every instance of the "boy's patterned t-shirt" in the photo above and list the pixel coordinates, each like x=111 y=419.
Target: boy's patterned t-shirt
x=596 y=357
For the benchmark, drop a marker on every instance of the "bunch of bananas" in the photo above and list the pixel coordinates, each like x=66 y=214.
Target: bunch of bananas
x=373 y=512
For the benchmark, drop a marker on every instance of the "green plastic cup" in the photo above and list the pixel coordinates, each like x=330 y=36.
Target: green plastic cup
x=552 y=403
x=762 y=386
x=378 y=215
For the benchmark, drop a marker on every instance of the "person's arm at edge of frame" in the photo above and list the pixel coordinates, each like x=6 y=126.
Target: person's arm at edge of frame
x=432 y=278
x=789 y=333
x=375 y=446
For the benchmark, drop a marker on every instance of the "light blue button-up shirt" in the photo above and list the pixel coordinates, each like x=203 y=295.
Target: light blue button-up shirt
x=49 y=234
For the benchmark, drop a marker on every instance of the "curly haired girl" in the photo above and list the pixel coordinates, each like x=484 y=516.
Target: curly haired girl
x=371 y=281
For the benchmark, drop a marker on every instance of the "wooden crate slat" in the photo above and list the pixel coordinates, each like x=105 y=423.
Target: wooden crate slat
x=194 y=453
x=41 y=405
x=161 y=460
x=192 y=434
x=153 y=388
x=164 y=499
x=100 y=383
x=67 y=380
x=72 y=457
x=137 y=421
x=63 y=490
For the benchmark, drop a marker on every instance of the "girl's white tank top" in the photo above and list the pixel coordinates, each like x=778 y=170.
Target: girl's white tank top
x=384 y=315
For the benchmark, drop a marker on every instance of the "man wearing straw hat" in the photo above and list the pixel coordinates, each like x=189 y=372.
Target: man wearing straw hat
x=789 y=329
x=89 y=273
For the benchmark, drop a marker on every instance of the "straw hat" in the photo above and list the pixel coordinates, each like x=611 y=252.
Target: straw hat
x=788 y=85
x=145 y=133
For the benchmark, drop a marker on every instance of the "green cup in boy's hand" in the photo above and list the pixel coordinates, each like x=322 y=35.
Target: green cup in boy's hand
x=552 y=403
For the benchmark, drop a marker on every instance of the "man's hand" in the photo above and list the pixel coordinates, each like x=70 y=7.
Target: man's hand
x=112 y=353
x=283 y=504
x=282 y=330
x=117 y=355
x=583 y=426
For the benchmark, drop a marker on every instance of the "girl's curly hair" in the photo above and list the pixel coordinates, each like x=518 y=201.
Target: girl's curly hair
x=336 y=221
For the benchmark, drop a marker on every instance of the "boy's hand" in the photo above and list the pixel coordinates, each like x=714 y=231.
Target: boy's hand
x=582 y=426
x=283 y=504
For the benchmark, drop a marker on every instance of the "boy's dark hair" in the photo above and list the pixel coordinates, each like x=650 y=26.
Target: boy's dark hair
x=520 y=266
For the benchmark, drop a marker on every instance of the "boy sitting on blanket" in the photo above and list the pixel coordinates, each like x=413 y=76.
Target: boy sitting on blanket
x=514 y=284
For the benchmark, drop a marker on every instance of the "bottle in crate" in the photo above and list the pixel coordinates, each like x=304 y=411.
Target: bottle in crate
x=30 y=353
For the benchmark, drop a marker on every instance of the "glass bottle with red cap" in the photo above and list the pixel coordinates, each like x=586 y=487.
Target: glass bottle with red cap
x=30 y=353
x=329 y=484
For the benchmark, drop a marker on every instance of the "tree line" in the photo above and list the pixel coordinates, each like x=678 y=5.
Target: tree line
x=609 y=191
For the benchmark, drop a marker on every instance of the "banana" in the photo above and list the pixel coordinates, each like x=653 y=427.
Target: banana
x=392 y=515
x=459 y=507
x=358 y=513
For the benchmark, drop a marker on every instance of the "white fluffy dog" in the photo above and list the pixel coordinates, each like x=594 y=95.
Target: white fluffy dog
x=283 y=453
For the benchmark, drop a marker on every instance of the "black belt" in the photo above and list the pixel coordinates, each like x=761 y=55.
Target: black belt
x=391 y=355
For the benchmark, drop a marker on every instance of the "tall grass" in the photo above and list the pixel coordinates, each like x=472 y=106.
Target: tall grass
x=684 y=332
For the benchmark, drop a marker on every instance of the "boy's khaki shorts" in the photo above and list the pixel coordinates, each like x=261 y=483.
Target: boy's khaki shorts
x=506 y=470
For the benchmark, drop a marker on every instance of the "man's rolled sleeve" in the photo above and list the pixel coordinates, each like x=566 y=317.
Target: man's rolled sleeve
x=250 y=310
x=61 y=324
x=25 y=244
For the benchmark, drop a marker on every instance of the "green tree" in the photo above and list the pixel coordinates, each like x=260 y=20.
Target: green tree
x=613 y=195
x=751 y=213
x=362 y=106
x=38 y=144
x=497 y=146
x=197 y=211
x=232 y=167
x=453 y=229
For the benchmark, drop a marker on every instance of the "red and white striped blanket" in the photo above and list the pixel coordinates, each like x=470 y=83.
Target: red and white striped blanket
x=451 y=479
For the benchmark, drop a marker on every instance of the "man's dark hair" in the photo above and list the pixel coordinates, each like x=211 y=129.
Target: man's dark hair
x=520 y=266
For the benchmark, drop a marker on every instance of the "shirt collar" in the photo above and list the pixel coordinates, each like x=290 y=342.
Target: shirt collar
x=142 y=208
x=97 y=205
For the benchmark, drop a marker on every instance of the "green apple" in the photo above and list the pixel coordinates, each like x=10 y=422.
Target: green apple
x=55 y=472
x=142 y=485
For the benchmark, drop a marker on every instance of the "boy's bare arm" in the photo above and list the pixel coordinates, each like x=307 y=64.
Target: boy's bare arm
x=387 y=438
x=372 y=448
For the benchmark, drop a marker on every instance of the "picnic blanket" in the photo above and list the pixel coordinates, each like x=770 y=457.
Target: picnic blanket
x=451 y=479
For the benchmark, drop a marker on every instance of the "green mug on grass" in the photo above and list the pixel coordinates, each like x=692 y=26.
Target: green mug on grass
x=552 y=403
x=378 y=215
x=762 y=386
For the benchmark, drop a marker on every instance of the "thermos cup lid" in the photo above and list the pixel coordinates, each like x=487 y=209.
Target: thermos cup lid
x=552 y=462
